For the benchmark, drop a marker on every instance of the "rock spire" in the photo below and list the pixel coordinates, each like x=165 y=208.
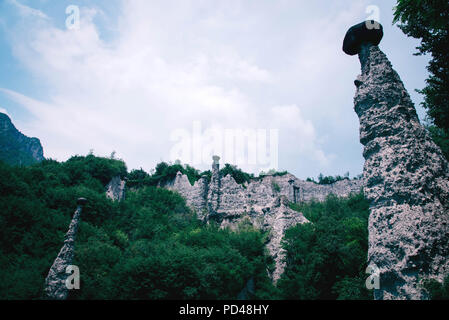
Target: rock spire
x=406 y=179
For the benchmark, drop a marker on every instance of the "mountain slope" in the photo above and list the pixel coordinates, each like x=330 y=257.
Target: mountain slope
x=15 y=147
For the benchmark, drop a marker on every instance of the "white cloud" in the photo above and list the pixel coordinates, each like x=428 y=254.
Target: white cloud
x=165 y=69
x=293 y=123
x=28 y=11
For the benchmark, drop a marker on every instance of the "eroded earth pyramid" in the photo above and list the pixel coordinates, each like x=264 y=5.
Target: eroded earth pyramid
x=262 y=202
x=55 y=284
x=406 y=177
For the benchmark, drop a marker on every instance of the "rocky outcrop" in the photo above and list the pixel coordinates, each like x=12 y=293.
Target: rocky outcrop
x=263 y=202
x=277 y=218
x=406 y=179
x=196 y=195
x=55 y=284
x=115 y=190
x=16 y=148
x=213 y=195
x=230 y=198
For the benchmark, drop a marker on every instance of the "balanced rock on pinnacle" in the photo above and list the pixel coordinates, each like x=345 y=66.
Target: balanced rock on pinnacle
x=362 y=33
x=406 y=177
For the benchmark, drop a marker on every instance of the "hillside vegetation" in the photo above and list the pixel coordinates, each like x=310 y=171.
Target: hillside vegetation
x=326 y=259
x=152 y=246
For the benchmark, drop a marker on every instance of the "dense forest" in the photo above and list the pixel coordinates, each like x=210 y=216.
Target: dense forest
x=152 y=246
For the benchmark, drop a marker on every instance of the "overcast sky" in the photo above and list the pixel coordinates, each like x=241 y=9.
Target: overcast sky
x=138 y=74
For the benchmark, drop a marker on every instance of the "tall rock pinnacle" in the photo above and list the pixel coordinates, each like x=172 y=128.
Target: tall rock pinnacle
x=406 y=177
x=55 y=283
x=214 y=190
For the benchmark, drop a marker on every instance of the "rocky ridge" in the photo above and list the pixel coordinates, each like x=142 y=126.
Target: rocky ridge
x=263 y=202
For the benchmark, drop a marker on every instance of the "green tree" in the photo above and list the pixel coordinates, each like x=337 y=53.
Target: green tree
x=437 y=290
x=239 y=176
x=428 y=20
x=326 y=258
x=149 y=246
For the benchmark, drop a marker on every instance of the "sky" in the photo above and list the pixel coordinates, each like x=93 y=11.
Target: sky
x=263 y=84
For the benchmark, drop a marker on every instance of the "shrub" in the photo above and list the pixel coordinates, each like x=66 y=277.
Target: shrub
x=239 y=176
x=150 y=246
x=326 y=258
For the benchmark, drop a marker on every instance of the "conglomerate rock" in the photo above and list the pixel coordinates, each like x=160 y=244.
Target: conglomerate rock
x=406 y=180
x=115 y=190
x=55 y=284
x=263 y=202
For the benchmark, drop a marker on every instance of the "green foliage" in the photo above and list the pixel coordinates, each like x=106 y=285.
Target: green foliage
x=239 y=176
x=272 y=172
x=326 y=258
x=150 y=246
x=207 y=174
x=441 y=138
x=36 y=204
x=275 y=187
x=280 y=173
x=428 y=20
x=15 y=148
x=328 y=179
x=139 y=178
x=437 y=290
x=163 y=174
x=14 y=156
x=166 y=253
x=192 y=173
x=80 y=169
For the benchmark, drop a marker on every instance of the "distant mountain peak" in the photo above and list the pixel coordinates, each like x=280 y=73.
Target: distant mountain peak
x=15 y=147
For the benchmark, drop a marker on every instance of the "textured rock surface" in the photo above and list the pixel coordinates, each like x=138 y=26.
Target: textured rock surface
x=231 y=198
x=16 y=148
x=235 y=198
x=115 y=190
x=55 y=287
x=213 y=195
x=277 y=219
x=262 y=202
x=196 y=195
x=406 y=178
